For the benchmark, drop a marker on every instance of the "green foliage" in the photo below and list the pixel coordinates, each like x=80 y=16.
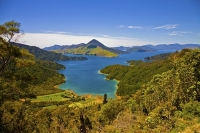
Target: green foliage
x=170 y=96
x=158 y=57
x=50 y=64
x=110 y=111
x=190 y=110
x=12 y=59
x=12 y=116
x=43 y=78
x=134 y=76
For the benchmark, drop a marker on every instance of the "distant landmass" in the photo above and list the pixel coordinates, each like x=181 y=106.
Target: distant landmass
x=47 y=55
x=175 y=46
x=93 y=47
x=135 y=49
x=153 y=48
x=63 y=47
x=141 y=49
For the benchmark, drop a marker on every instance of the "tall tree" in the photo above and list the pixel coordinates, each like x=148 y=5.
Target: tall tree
x=105 y=99
x=11 y=59
x=7 y=33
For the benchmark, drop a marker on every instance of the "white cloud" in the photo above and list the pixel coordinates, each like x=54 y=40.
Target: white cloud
x=134 y=27
x=178 y=33
x=167 y=26
x=49 y=39
x=173 y=33
x=120 y=26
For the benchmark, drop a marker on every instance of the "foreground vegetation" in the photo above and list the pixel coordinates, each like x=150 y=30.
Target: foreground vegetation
x=157 y=96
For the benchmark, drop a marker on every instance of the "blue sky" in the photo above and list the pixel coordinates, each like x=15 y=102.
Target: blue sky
x=112 y=22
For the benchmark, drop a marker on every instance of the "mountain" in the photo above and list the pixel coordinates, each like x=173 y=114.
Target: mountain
x=93 y=47
x=47 y=55
x=62 y=47
x=175 y=46
x=152 y=48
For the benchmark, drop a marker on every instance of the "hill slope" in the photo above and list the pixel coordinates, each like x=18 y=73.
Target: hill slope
x=47 y=55
x=93 y=47
x=62 y=47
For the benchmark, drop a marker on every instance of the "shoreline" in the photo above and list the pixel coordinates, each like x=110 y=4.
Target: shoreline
x=116 y=86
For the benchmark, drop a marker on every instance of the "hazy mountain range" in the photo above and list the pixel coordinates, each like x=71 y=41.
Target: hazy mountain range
x=151 y=48
x=92 y=46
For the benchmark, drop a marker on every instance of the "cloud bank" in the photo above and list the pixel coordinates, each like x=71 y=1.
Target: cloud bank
x=49 y=39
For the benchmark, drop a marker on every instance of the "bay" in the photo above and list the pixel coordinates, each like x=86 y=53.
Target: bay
x=83 y=77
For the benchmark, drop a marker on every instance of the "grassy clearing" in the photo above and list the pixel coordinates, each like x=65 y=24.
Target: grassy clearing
x=50 y=107
x=50 y=97
x=89 y=100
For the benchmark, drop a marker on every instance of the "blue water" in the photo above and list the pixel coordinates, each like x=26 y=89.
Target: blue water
x=83 y=77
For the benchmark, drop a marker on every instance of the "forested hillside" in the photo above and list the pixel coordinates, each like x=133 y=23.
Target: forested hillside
x=163 y=56
x=138 y=73
x=47 y=55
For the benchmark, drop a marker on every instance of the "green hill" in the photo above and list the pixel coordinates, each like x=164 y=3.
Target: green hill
x=93 y=47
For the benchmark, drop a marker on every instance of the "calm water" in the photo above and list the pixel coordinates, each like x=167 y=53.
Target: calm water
x=83 y=76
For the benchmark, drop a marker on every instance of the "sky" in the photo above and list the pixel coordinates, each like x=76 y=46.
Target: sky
x=112 y=22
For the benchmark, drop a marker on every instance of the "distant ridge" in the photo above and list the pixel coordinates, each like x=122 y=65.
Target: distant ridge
x=89 y=48
x=93 y=47
x=47 y=55
x=62 y=47
x=175 y=46
x=152 y=48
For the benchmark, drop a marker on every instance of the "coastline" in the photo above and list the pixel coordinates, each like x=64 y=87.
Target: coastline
x=116 y=86
x=86 y=95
